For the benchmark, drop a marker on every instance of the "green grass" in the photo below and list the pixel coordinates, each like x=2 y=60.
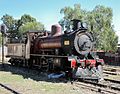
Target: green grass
x=7 y=77
x=17 y=82
x=33 y=83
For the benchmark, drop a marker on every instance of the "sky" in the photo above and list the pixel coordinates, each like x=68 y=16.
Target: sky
x=48 y=11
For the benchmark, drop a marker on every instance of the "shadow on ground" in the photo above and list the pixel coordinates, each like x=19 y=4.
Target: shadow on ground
x=36 y=75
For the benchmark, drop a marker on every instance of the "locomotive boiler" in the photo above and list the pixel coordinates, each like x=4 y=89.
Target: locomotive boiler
x=57 y=51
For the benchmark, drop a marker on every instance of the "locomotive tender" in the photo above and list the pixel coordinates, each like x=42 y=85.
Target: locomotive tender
x=55 y=51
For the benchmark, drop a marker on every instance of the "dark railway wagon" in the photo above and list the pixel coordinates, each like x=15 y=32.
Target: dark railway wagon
x=110 y=58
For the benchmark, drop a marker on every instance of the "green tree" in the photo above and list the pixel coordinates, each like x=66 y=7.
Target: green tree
x=70 y=14
x=18 y=26
x=9 y=21
x=30 y=23
x=102 y=27
x=31 y=26
x=12 y=24
x=27 y=18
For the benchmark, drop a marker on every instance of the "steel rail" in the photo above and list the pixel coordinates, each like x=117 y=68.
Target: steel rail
x=100 y=85
x=11 y=90
x=111 y=80
x=94 y=88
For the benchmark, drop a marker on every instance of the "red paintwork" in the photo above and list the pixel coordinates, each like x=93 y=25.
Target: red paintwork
x=100 y=60
x=73 y=63
x=92 y=62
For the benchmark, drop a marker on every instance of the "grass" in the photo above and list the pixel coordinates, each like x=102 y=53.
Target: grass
x=22 y=85
x=3 y=91
x=27 y=86
x=33 y=82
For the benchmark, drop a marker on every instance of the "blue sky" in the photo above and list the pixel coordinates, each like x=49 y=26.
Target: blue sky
x=48 y=11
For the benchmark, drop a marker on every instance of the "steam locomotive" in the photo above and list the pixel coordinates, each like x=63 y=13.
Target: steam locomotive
x=56 y=51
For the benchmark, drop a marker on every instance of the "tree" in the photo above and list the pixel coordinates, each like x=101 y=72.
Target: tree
x=102 y=27
x=27 y=18
x=31 y=26
x=70 y=14
x=30 y=23
x=99 y=23
x=12 y=25
x=9 y=21
x=18 y=26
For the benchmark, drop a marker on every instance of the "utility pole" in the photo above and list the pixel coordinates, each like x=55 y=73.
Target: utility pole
x=3 y=29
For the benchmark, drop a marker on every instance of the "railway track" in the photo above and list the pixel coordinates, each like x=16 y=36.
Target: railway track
x=9 y=89
x=95 y=88
x=110 y=73
x=108 y=86
x=114 y=81
x=111 y=68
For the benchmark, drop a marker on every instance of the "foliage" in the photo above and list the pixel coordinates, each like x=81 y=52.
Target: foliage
x=69 y=14
x=10 y=22
x=27 y=18
x=18 y=26
x=99 y=23
x=31 y=26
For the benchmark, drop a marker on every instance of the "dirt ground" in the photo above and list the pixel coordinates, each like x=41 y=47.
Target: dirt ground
x=34 y=82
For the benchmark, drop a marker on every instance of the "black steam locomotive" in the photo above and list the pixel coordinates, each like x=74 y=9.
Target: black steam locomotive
x=56 y=51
